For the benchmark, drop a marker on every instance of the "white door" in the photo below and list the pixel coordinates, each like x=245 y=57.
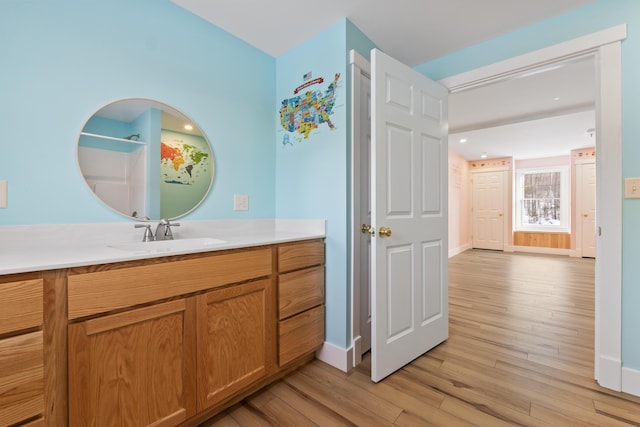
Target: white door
x=586 y=207
x=488 y=210
x=409 y=215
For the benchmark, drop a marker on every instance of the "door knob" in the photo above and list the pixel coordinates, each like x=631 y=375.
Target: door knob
x=585 y=215
x=367 y=229
x=385 y=232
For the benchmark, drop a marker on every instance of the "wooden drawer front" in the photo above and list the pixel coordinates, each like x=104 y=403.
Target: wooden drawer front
x=21 y=378
x=299 y=291
x=301 y=334
x=300 y=255
x=99 y=292
x=20 y=305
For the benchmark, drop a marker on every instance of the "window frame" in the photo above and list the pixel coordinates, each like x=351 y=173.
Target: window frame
x=565 y=200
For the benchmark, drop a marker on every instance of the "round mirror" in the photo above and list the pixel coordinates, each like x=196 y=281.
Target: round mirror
x=145 y=159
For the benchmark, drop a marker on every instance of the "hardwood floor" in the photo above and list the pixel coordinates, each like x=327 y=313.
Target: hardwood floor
x=520 y=352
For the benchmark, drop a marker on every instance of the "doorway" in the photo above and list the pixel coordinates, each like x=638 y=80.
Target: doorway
x=606 y=49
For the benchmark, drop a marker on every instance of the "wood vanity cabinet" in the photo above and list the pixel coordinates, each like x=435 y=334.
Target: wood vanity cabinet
x=21 y=351
x=300 y=299
x=157 y=342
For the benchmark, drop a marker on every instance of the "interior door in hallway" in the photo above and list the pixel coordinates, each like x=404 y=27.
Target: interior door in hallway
x=586 y=209
x=409 y=213
x=488 y=208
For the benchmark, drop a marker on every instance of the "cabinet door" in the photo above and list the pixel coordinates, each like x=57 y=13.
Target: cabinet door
x=133 y=368
x=236 y=339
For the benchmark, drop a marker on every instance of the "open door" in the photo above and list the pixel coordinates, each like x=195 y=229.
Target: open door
x=409 y=215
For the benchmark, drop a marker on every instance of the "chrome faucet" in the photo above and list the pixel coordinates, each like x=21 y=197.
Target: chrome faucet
x=163 y=231
x=148 y=234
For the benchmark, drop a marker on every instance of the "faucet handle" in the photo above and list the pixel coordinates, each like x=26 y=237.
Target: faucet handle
x=168 y=235
x=148 y=234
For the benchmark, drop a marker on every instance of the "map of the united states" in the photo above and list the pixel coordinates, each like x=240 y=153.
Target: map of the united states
x=304 y=113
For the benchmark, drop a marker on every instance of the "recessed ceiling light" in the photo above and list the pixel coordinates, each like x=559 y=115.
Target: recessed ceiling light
x=463 y=140
x=483 y=156
x=557 y=98
x=188 y=127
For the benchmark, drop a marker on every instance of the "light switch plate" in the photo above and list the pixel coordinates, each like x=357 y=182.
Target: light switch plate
x=3 y=194
x=632 y=188
x=240 y=202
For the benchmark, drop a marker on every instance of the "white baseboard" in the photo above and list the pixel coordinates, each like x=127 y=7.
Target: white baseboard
x=455 y=251
x=536 y=250
x=335 y=356
x=609 y=372
x=631 y=381
x=357 y=350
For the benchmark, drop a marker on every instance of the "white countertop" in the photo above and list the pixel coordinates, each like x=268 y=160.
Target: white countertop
x=25 y=248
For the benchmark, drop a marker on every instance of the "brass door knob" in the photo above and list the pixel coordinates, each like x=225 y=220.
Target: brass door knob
x=385 y=232
x=367 y=229
x=585 y=215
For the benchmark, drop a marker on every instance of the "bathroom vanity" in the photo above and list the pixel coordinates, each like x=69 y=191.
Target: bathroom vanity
x=159 y=338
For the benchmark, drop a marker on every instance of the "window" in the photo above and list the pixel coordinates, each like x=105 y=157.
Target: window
x=542 y=199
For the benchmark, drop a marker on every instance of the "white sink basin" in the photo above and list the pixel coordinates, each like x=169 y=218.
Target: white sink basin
x=160 y=246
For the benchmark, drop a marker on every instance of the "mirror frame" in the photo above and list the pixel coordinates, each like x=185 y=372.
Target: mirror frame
x=125 y=110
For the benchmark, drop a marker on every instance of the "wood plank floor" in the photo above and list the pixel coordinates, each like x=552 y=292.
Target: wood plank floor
x=520 y=352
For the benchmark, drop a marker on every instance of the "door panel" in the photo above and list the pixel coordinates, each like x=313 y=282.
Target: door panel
x=409 y=190
x=586 y=201
x=488 y=210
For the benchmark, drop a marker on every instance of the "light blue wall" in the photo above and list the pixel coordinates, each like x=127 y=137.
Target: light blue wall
x=311 y=174
x=599 y=16
x=61 y=61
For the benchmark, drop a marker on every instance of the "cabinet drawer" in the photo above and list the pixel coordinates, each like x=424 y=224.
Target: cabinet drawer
x=300 y=334
x=102 y=291
x=300 y=255
x=299 y=291
x=20 y=305
x=21 y=378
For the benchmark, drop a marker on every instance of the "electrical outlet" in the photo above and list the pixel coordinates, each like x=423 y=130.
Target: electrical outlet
x=632 y=188
x=240 y=202
x=3 y=194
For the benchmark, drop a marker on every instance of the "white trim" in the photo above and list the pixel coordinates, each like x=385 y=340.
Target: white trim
x=456 y=251
x=494 y=169
x=584 y=161
x=538 y=250
x=631 y=381
x=536 y=59
x=608 y=59
x=335 y=356
x=359 y=67
x=608 y=338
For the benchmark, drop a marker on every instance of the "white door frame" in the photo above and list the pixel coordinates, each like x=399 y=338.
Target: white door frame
x=605 y=47
x=360 y=68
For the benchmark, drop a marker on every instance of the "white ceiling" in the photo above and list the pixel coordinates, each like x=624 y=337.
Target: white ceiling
x=496 y=119
x=541 y=114
x=412 y=31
